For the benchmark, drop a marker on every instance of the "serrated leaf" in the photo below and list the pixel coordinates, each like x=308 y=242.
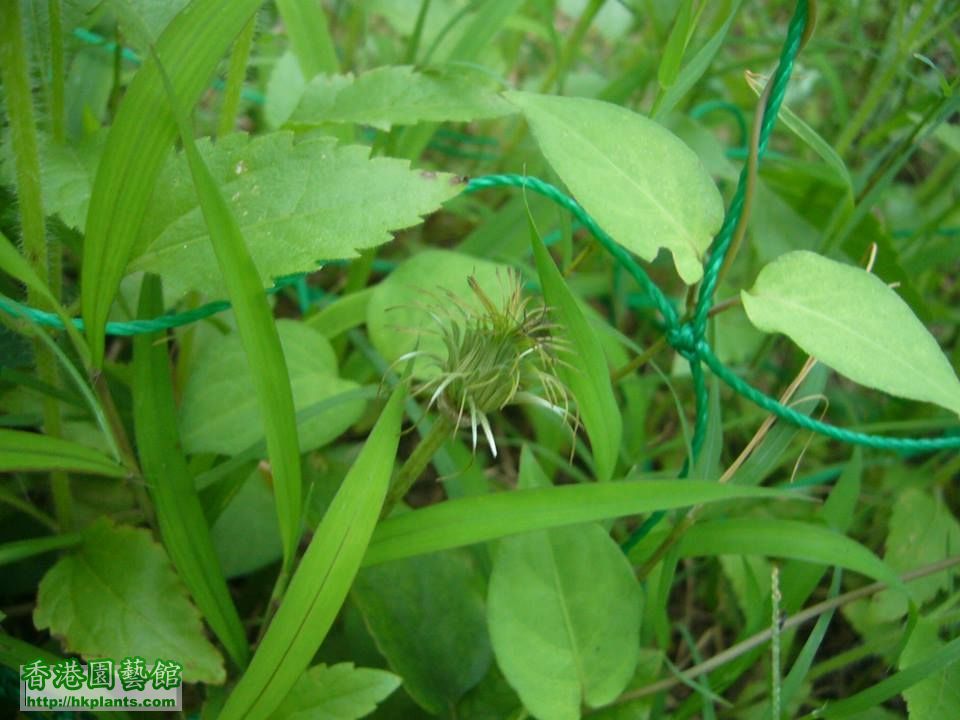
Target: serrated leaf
x=117 y=595
x=336 y=692
x=427 y=616
x=296 y=203
x=587 y=376
x=398 y=95
x=937 y=696
x=220 y=414
x=852 y=321
x=922 y=531
x=639 y=181
x=564 y=615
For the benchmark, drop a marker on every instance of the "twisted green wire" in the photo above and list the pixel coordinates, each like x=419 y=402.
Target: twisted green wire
x=687 y=337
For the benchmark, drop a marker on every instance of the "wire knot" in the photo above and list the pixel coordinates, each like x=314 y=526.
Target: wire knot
x=684 y=340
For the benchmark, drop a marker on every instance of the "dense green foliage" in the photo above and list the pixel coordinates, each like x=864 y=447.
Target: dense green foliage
x=484 y=360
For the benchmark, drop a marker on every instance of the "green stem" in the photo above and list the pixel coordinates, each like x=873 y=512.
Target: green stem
x=417 y=462
x=14 y=70
x=558 y=72
x=58 y=115
x=236 y=75
x=410 y=57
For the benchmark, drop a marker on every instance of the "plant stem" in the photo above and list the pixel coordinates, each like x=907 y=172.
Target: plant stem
x=802 y=617
x=14 y=70
x=414 y=466
x=236 y=75
x=558 y=72
x=58 y=115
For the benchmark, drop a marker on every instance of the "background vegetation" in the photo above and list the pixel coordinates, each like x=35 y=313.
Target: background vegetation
x=367 y=417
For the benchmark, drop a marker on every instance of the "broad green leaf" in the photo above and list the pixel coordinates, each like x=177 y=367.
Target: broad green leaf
x=28 y=451
x=179 y=513
x=297 y=203
x=564 y=615
x=245 y=533
x=398 y=95
x=643 y=185
x=142 y=133
x=284 y=90
x=220 y=415
x=922 y=531
x=487 y=517
x=427 y=616
x=320 y=584
x=258 y=333
x=66 y=175
x=852 y=321
x=788 y=539
x=118 y=595
x=587 y=374
x=336 y=692
x=404 y=309
x=937 y=696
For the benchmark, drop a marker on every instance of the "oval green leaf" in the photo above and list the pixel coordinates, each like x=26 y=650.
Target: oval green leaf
x=852 y=321
x=564 y=615
x=641 y=183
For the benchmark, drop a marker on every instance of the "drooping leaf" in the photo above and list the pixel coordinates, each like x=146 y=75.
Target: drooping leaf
x=219 y=414
x=399 y=309
x=642 y=184
x=564 y=614
x=20 y=450
x=117 y=595
x=296 y=203
x=399 y=95
x=852 y=321
x=587 y=374
x=323 y=577
x=336 y=692
x=427 y=616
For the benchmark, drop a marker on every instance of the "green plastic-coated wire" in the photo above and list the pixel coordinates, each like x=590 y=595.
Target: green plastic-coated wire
x=686 y=336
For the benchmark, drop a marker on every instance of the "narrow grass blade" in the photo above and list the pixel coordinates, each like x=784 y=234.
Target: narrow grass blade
x=31 y=452
x=785 y=538
x=486 y=517
x=893 y=685
x=694 y=69
x=20 y=549
x=259 y=335
x=182 y=523
x=309 y=36
x=16 y=265
x=141 y=135
x=320 y=584
x=588 y=376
